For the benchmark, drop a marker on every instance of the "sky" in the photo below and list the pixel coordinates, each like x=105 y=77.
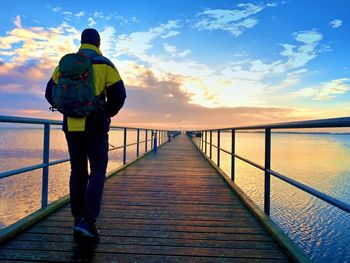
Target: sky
x=188 y=63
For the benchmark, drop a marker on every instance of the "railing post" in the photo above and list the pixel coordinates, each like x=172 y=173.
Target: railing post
x=138 y=143
x=205 y=151
x=155 y=142
x=169 y=137
x=233 y=151
x=211 y=142
x=202 y=141
x=146 y=140
x=152 y=138
x=218 y=148
x=46 y=157
x=267 y=174
x=124 y=149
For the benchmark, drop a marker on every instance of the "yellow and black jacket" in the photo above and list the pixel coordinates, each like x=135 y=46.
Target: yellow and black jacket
x=108 y=86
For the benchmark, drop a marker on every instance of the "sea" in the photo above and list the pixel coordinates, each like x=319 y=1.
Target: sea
x=319 y=160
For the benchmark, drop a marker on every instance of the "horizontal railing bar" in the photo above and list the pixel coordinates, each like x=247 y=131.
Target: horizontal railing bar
x=214 y=146
x=127 y=145
x=59 y=161
x=225 y=151
x=240 y=157
x=130 y=144
x=135 y=128
x=30 y=168
x=27 y=120
x=331 y=200
x=116 y=148
x=145 y=141
x=11 y=119
x=22 y=170
x=250 y=162
x=321 y=123
x=221 y=149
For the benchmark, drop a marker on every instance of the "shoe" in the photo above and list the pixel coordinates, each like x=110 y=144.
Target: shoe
x=86 y=228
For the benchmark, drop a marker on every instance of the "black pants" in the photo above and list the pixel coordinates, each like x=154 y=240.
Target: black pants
x=86 y=190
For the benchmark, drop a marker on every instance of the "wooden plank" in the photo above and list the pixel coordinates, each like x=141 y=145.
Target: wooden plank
x=161 y=227
x=168 y=207
x=150 y=221
x=160 y=234
x=87 y=255
x=148 y=241
x=151 y=250
x=189 y=215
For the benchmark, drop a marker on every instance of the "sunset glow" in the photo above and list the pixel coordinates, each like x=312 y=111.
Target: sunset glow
x=188 y=64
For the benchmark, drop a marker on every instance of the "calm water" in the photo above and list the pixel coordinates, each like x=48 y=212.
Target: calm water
x=320 y=161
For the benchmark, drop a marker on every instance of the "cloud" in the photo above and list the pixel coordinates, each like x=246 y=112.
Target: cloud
x=109 y=16
x=57 y=9
x=29 y=78
x=172 y=33
x=108 y=41
x=235 y=21
x=169 y=48
x=215 y=88
x=80 y=14
x=336 y=23
x=138 y=43
x=172 y=50
x=298 y=56
x=18 y=22
x=326 y=90
x=98 y=14
x=68 y=15
x=28 y=57
x=37 y=43
x=91 y=21
x=163 y=104
x=185 y=53
x=163 y=83
x=135 y=20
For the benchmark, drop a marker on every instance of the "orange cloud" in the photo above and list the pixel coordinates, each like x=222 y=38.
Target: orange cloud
x=24 y=44
x=35 y=74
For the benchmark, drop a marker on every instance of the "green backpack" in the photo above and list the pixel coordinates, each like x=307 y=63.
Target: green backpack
x=74 y=94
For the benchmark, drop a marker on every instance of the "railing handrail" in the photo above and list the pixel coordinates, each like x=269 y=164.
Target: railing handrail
x=320 y=123
x=158 y=136
x=28 y=120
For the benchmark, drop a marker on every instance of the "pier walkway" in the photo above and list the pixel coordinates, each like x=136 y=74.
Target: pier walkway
x=171 y=206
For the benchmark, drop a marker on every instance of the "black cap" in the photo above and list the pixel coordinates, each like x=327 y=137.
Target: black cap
x=90 y=36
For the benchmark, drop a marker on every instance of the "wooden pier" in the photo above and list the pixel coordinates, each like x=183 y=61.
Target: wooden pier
x=172 y=206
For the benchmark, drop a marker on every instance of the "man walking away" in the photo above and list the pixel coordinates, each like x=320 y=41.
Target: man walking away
x=87 y=136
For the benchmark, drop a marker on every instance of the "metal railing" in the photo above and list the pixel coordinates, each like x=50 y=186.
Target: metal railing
x=152 y=136
x=206 y=143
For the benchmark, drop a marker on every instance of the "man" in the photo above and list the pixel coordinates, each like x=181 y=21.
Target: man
x=87 y=137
